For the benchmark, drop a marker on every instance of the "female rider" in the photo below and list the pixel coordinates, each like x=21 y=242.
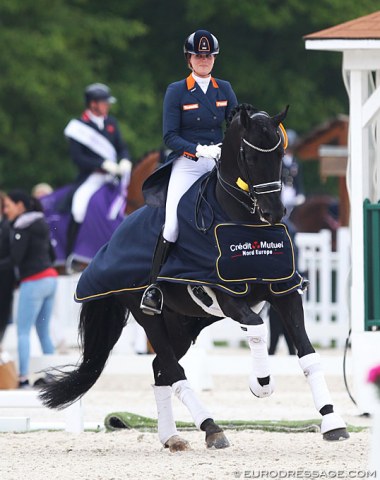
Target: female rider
x=193 y=114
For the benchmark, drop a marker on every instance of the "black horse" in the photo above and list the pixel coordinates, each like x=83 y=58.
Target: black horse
x=247 y=188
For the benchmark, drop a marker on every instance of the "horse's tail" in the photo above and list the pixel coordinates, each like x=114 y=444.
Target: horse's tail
x=100 y=326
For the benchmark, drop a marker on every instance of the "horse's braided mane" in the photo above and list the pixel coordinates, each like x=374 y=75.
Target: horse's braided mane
x=243 y=106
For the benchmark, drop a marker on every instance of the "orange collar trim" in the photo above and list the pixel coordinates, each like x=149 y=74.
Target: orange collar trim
x=190 y=82
x=214 y=82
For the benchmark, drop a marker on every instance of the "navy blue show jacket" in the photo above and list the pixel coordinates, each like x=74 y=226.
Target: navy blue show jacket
x=192 y=117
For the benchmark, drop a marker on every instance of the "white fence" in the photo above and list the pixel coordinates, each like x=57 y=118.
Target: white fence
x=326 y=300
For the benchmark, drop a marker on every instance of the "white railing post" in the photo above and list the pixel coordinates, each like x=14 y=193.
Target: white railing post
x=343 y=274
x=326 y=267
x=326 y=317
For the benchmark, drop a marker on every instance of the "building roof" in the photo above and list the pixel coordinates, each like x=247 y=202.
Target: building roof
x=333 y=132
x=362 y=28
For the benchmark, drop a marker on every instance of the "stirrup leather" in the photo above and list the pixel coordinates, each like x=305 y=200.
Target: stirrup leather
x=202 y=295
x=148 y=309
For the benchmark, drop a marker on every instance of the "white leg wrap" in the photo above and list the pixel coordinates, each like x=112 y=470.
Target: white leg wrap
x=331 y=421
x=186 y=394
x=257 y=339
x=165 y=417
x=312 y=369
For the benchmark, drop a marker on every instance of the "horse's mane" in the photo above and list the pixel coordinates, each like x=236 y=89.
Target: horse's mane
x=243 y=106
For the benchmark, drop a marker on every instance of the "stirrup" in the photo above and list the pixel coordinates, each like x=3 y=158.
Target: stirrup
x=147 y=309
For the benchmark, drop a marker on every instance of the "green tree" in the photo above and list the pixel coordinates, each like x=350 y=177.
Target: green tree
x=51 y=49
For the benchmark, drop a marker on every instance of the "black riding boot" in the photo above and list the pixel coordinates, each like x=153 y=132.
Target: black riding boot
x=152 y=299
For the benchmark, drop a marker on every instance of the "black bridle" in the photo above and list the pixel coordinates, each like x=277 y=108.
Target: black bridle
x=253 y=189
x=249 y=190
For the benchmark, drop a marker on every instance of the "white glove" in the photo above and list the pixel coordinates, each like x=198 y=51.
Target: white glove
x=125 y=166
x=208 y=151
x=110 y=167
x=299 y=200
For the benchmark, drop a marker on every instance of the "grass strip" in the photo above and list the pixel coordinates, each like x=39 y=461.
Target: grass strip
x=127 y=420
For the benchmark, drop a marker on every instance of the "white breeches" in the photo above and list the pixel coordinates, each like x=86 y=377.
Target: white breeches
x=184 y=173
x=84 y=193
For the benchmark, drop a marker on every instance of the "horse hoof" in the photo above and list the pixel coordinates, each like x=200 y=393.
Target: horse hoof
x=177 y=444
x=333 y=428
x=336 y=435
x=261 y=391
x=217 y=440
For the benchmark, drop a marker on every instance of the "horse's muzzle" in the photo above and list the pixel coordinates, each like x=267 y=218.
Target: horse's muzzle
x=273 y=217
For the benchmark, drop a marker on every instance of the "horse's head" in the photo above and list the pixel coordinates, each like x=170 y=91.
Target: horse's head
x=251 y=161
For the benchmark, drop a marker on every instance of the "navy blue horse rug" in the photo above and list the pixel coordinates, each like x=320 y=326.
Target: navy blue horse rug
x=210 y=250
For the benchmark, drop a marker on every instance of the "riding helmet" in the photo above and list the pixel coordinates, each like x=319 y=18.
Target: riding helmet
x=98 y=92
x=201 y=42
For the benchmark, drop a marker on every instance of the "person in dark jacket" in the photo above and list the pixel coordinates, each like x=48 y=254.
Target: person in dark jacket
x=32 y=255
x=193 y=116
x=7 y=277
x=97 y=149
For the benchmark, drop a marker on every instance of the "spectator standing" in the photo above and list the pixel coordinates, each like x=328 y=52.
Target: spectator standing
x=7 y=277
x=33 y=256
x=41 y=189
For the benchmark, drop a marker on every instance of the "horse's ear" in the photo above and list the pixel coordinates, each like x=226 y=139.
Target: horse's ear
x=244 y=118
x=280 y=117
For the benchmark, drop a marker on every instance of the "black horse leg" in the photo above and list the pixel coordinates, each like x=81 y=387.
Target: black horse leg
x=277 y=329
x=260 y=383
x=291 y=313
x=166 y=368
x=182 y=331
x=166 y=371
x=170 y=341
x=291 y=310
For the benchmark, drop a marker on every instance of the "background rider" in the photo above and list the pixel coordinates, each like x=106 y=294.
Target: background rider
x=97 y=149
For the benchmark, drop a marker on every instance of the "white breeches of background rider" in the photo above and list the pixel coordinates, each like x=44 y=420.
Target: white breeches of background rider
x=184 y=173
x=84 y=193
